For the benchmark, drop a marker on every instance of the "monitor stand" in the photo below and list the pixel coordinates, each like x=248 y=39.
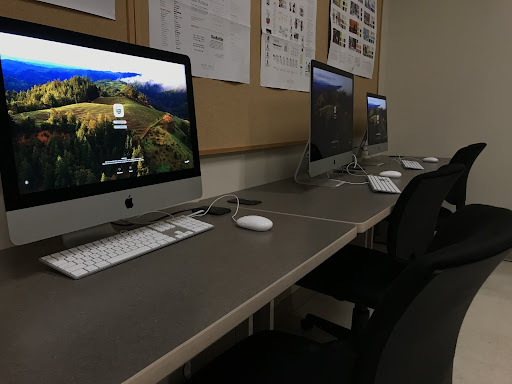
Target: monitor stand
x=302 y=174
x=363 y=160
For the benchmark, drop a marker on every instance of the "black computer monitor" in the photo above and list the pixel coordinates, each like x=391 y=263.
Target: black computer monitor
x=332 y=118
x=377 y=123
x=92 y=130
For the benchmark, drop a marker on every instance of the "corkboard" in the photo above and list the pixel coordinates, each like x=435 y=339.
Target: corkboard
x=231 y=117
x=235 y=117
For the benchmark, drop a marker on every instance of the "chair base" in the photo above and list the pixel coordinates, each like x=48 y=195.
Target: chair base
x=360 y=318
x=333 y=329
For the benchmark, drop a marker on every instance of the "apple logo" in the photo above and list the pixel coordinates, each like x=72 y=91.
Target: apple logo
x=129 y=202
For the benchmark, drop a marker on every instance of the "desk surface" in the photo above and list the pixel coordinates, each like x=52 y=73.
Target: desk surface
x=354 y=204
x=142 y=319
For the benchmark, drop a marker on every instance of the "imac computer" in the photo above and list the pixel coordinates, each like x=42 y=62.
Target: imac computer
x=377 y=124
x=91 y=130
x=331 y=125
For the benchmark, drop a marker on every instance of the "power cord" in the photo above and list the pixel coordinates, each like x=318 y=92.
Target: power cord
x=355 y=165
x=200 y=213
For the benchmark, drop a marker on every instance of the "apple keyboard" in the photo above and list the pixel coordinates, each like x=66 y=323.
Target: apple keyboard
x=382 y=184
x=408 y=164
x=93 y=257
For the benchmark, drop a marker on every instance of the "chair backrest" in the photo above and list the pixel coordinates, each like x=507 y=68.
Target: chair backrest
x=412 y=335
x=413 y=220
x=465 y=156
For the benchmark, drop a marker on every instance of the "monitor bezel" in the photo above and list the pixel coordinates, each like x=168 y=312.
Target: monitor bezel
x=13 y=199
x=327 y=164
x=375 y=149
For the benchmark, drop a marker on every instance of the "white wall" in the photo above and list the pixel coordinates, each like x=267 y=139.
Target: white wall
x=446 y=67
x=225 y=173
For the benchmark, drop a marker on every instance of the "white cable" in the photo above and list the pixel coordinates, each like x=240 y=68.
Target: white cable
x=353 y=174
x=355 y=161
x=196 y=214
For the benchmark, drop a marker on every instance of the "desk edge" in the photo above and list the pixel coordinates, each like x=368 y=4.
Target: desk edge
x=176 y=358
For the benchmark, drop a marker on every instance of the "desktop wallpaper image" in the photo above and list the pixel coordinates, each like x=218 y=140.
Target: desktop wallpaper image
x=377 y=121
x=60 y=101
x=332 y=114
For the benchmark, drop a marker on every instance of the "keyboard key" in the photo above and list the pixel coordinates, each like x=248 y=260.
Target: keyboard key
x=79 y=272
x=102 y=264
x=75 y=267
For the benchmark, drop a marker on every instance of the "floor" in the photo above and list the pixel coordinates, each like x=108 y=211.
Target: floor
x=484 y=350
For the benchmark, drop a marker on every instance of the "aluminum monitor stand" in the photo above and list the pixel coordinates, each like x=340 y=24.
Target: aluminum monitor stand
x=362 y=154
x=302 y=174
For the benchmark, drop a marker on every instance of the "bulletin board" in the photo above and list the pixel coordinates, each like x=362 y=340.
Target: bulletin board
x=231 y=117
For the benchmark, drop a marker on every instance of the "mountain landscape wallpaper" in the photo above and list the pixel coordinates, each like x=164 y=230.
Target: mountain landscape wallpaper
x=331 y=115
x=62 y=121
x=377 y=121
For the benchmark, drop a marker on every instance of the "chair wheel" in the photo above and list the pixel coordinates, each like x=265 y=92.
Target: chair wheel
x=306 y=324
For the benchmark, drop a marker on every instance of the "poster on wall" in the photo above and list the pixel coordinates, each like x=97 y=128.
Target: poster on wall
x=216 y=35
x=288 y=43
x=103 y=8
x=353 y=31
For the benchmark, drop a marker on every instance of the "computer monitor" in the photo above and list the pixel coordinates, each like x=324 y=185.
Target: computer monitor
x=92 y=130
x=332 y=111
x=377 y=124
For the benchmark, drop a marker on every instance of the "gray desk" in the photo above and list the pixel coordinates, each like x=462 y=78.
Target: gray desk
x=143 y=319
x=354 y=204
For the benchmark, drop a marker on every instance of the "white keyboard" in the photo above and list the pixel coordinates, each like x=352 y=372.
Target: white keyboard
x=382 y=184
x=94 y=257
x=407 y=164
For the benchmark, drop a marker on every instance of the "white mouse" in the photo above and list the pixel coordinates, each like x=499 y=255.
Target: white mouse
x=255 y=223
x=391 y=174
x=430 y=159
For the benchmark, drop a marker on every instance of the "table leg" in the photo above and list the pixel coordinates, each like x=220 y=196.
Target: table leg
x=250 y=325
x=368 y=238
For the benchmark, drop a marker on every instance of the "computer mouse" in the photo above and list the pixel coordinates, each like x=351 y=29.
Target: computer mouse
x=430 y=159
x=391 y=174
x=255 y=223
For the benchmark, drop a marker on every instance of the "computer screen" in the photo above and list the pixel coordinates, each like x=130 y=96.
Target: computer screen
x=377 y=123
x=86 y=116
x=332 y=105
x=83 y=116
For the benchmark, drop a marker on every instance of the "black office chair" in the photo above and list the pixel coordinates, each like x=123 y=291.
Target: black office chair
x=361 y=275
x=412 y=335
x=457 y=195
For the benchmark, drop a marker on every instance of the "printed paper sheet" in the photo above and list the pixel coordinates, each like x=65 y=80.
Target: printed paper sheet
x=288 y=43
x=353 y=36
x=214 y=34
x=103 y=8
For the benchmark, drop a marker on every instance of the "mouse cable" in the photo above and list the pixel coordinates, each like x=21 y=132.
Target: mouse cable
x=200 y=213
